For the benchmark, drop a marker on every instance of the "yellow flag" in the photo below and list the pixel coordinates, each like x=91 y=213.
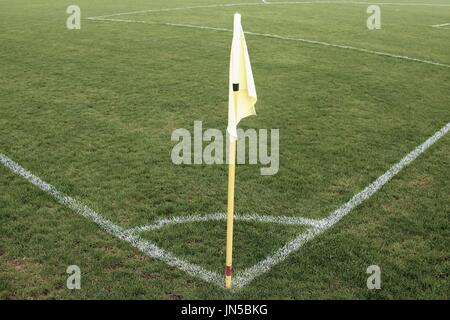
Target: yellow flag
x=242 y=94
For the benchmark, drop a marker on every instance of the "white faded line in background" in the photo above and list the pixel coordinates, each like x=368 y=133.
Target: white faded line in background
x=245 y=277
x=274 y=36
x=409 y=4
x=282 y=3
x=441 y=26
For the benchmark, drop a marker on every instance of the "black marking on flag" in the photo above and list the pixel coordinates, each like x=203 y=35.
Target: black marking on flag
x=235 y=87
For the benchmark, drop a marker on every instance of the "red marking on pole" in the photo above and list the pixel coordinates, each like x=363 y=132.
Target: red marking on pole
x=228 y=271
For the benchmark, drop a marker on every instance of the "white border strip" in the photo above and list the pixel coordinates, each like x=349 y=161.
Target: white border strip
x=147 y=247
x=294 y=245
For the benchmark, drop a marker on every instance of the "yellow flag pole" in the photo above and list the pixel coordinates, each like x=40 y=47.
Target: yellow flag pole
x=230 y=210
x=230 y=205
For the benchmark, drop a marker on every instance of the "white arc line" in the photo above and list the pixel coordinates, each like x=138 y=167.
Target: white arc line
x=280 y=255
x=147 y=247
x=281 y=220
x=212 y=6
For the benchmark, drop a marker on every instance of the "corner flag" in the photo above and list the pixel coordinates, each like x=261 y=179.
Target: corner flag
x=241 y=104
x=242 y=92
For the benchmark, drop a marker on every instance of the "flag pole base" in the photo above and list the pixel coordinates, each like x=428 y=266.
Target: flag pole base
x=228 y=278
x=228 y=283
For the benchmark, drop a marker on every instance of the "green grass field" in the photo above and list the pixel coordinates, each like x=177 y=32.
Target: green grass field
x=91 y=112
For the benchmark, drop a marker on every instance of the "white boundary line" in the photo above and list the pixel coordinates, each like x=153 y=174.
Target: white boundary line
x=274 y=36
x=243 y=278
x=294 y=245
x=147 y=247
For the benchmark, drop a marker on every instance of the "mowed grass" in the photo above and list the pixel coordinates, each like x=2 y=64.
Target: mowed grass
x=92 y=112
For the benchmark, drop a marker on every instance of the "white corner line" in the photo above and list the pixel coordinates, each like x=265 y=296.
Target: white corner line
x=148 y=248
x=245 y=277
x=280 y=255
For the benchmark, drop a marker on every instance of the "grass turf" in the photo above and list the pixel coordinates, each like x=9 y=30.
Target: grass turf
x=92 y=111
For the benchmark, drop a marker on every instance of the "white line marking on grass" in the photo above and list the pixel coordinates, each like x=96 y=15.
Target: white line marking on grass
x=442 y=26
x=379 y=53
x=284 y=3
x=212 y=6
x=265 y=265
x=147 y=247
x=282 y=220
x=245 y=277
x=420 y=4
x=274 y=36
x=382 y=180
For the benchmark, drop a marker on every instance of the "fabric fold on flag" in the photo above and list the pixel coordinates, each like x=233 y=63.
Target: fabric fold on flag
x=242 y=90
